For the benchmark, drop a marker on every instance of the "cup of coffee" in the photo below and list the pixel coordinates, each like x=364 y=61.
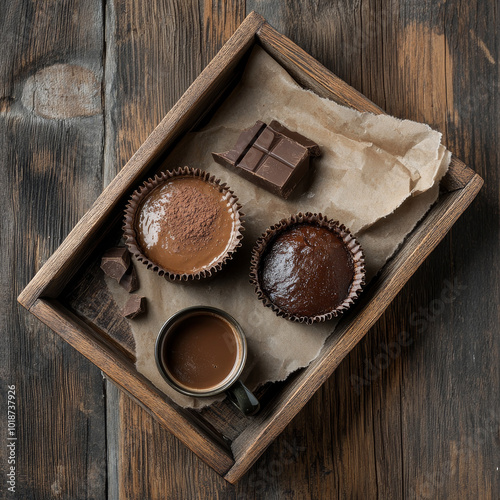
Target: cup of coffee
x=201 y=351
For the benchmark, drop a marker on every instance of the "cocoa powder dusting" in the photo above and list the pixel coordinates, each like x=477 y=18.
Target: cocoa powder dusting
x=190 y=216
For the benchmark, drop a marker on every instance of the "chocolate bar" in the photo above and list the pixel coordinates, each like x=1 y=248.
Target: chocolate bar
x=115 y=262
x=135 y=305
x=270 y=156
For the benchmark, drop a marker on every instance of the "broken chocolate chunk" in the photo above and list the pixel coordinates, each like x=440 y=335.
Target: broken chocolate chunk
x=115 y=262
x=135 y=305
x=130 y=280
x=270 y=156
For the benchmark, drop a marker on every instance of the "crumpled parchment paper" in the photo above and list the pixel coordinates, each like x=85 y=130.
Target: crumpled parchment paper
x=378 y=175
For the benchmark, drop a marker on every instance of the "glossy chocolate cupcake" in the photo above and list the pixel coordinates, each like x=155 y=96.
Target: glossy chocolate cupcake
x=307 y=268
x=183 y=224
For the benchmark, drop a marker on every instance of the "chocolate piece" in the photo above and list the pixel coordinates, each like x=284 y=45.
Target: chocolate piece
x=130 y=280
x=295 y=136
x=270 y=156
x=135 y=305
x=307 y=271
x=115 y=262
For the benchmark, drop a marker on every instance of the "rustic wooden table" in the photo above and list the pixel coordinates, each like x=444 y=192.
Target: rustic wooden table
x=82 y=85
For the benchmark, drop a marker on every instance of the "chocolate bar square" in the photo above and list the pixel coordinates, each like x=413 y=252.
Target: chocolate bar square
x=252 y=159
x=265 y=139
x=272 y=170
x=290 y=152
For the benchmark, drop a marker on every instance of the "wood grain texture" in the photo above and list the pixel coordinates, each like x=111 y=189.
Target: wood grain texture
x=107 y=209
x=444 y=372
x=416 y=428
x=51 y=160
x=119 y=368
x=162 y=63
x=423 y=427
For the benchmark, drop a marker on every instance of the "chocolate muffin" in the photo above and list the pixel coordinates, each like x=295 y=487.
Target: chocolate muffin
x=183 y=224
x=307 y=268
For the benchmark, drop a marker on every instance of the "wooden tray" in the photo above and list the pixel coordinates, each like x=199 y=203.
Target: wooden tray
x=69 y=294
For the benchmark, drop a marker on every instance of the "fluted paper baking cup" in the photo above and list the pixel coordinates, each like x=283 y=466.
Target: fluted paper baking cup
x=140 y=195
x=318 y=220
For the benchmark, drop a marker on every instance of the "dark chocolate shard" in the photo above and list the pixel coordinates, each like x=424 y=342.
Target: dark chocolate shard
x=313 y=148
x=130 y=280
x=135 y=305
x=115 y=262
x=271 y=156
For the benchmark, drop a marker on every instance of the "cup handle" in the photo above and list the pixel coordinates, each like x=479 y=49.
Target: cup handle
x=243 y=399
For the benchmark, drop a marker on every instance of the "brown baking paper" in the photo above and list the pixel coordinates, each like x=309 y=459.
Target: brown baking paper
x=377 y=175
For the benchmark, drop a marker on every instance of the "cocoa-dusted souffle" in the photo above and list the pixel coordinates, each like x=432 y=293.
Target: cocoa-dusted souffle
x=183 y=224
x=307 y=268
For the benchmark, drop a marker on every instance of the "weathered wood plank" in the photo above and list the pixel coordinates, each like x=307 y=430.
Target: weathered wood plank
x=451 y=381
x=113 y=434
x=149 y=65
x=119 y=368
x=397 y=434
x=51 y=131
x=429 y=62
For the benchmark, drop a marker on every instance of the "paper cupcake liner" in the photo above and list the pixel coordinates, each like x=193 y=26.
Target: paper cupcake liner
x=135 y=203
x=317 y=220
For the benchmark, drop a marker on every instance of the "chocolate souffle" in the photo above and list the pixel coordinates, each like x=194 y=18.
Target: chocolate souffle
x=183 y=224
x=307 y=268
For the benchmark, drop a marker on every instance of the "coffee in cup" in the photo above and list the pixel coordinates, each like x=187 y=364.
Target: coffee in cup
x=201 y=351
